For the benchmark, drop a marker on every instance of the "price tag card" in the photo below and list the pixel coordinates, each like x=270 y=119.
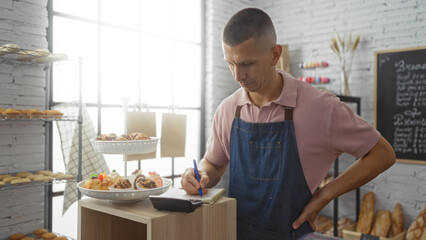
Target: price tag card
x=368 y=237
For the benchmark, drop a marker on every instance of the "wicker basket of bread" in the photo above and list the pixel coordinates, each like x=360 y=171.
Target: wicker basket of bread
x=124 y=144
x=381 y=223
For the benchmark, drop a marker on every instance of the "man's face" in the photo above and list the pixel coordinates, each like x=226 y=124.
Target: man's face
x=250 y=64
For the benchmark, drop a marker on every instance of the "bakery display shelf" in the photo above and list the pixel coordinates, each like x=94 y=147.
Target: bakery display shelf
x=9 y=186
x=37 y=118
x=33 y=236
x=30 y=57
x=13 y=54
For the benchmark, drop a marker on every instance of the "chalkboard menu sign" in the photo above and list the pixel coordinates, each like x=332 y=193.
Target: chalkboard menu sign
x=400 y=101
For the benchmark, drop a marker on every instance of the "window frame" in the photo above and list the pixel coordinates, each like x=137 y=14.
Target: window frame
x=99 y=105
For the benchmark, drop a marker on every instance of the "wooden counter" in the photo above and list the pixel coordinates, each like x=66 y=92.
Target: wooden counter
x=103 y=220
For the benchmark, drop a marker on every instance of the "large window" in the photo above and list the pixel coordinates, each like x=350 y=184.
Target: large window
x=147 y=51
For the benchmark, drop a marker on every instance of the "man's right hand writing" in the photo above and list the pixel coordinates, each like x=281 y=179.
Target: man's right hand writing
x=191 y=185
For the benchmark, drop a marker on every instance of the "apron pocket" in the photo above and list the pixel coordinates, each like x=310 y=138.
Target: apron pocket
x=263 y=234
x=305 y=228
x=265 y=160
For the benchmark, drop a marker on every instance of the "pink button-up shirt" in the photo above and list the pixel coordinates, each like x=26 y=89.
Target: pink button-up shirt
x=325 y=127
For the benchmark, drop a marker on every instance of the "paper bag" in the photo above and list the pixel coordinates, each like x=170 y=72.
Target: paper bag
x=141 y=122
x=173 y=135
x=284 y=61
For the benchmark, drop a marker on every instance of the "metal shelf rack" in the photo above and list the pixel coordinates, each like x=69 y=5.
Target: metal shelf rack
x=357 y=101
x=46 y=61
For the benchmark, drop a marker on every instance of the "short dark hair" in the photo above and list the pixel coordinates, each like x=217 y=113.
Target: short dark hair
x=248 y=23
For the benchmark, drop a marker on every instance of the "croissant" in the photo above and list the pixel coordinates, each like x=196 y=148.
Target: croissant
x=123 y=137
x=141 y=136
x=106 y=137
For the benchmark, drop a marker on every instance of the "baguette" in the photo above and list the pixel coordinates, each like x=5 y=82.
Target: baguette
x=366 y=214
x=397 y=221
x=382 y=223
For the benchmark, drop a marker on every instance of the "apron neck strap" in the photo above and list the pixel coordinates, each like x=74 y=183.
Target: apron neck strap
x=288 y=114
x=238 y=111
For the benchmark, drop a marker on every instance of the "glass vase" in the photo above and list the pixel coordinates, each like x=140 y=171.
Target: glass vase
x=345 y=82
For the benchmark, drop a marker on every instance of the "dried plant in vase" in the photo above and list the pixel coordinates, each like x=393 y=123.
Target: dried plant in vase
x=344 y=48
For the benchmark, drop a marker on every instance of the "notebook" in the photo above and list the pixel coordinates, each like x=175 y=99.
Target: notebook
x=213 y=194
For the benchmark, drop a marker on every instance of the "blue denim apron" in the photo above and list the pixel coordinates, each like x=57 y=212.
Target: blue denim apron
x=267 y=179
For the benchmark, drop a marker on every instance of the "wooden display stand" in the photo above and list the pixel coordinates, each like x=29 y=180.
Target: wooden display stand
x=351 y=234
x=103 y=220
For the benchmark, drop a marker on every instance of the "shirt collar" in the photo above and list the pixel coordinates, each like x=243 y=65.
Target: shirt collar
x=287 y=97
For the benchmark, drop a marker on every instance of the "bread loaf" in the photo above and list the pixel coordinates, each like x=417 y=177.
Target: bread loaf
x=343 y=223
x=40 y=231
x=382 y=223
x=417 y=229
x=325 y=226
x=22 y=174
x=397 y=221
x=320 y=219
x=3 y=176
x=365 y=219
x=16 y=236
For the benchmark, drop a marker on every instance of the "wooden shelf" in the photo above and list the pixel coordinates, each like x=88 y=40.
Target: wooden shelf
x=103 y=220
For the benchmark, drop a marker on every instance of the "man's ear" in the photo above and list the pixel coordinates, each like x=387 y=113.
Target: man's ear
x=276 y=53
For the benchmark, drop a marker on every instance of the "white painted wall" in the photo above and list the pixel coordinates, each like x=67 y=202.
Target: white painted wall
x=305 y=25
x=22 y=148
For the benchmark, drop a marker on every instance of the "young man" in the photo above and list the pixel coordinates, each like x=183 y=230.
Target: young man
x=280 y=137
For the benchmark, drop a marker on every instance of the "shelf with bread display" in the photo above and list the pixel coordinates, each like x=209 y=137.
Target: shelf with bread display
x=31 y=179
x=12 y=53
x=369 y=222
x=385 y=224
x=39 y=233
x=15 y=55
x=33 y=115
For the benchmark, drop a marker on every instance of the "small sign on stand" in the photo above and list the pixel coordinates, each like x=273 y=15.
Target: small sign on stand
x=369 y=237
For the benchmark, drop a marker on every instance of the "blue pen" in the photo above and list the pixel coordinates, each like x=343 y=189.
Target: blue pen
x=198 y=177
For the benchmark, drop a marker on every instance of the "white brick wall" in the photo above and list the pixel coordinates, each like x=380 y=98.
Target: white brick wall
x=302 y=24
x=23 y=22
x=305 y=25
x=219 y=81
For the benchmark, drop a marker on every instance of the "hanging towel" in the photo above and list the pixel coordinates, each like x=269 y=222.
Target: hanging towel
x=91 y=162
